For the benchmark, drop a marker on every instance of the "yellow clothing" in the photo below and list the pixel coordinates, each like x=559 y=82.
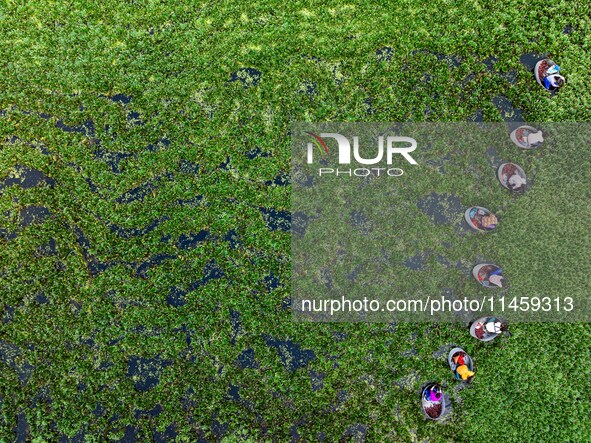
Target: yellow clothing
x=464 y=372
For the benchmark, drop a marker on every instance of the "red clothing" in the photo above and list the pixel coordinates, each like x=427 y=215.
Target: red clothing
x=459 y=360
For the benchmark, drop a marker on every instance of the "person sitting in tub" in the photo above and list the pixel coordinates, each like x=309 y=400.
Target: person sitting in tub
x=553 y=81
x=433 y=394
x=496 y=327
x=533 y=139
x=462 y=369
x=516 y=181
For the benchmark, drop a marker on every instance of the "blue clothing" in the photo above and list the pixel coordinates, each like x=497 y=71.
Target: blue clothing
x=547 y=83
x=552 y=81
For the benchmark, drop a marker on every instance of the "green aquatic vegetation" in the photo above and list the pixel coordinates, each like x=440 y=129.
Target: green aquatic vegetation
x=151 y=123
